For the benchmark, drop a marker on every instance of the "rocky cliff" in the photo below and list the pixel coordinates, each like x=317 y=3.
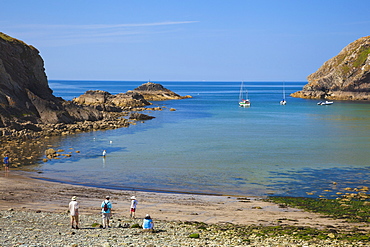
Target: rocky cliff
x=343 y=77
x=25 y=97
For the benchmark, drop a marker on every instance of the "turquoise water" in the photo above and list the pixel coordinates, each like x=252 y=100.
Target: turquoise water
x=211 y=145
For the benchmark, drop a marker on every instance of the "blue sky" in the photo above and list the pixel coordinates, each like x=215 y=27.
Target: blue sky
x=185 y=40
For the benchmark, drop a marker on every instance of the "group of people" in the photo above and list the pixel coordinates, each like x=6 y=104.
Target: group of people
x=106 y=206
x=106 y=209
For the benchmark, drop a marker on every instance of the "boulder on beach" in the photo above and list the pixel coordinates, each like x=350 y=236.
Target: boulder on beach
x=50 y=153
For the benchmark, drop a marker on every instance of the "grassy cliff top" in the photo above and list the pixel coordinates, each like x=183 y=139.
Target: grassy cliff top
x=5 y=37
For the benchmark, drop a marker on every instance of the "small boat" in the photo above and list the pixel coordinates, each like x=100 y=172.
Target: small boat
x=243 y=101
x=325 y=102
x=283 y=101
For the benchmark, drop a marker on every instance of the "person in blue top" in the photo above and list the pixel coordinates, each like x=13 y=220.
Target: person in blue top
x=6 y=162
x=106 y=208
x=148 y=224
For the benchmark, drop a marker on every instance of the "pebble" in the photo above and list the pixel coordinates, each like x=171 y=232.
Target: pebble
x=29 y=229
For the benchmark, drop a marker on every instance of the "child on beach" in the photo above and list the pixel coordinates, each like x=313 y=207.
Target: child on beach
x=134 y=203
x=6 y=162
x=73 y=211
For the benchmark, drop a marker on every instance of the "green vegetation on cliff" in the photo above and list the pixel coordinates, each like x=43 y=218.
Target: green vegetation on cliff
x=362 y=56
x=343 y=77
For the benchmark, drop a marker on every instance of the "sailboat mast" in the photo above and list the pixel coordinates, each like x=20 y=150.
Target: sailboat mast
x=241 y=92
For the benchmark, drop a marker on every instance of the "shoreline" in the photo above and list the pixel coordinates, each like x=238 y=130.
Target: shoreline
x=22 y=193
x=132 y=189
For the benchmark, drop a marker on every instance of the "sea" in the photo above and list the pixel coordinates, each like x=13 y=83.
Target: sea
x=210 y=145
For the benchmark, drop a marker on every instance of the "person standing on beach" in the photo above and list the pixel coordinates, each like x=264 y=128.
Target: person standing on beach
x=134 y=203
x=73 y=211
x=106 y=208
x=104 y=153
x=6 y=162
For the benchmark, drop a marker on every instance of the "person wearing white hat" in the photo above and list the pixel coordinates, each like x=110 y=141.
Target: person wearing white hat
x=148 y=224
x=73 y=211
x=134 y=203
x=106 y=207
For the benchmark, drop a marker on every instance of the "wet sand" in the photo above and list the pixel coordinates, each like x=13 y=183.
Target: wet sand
x=22 y=193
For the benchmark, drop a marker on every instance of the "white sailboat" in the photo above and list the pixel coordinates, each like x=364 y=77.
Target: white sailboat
x=283 y=101
x=243 y=97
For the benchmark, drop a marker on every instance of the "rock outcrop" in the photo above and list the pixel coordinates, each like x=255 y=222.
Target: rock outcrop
x=139 y=116
x=25 y=96
x=103 y=100
x=343 y=77
x=156 y=92
x=130 y=101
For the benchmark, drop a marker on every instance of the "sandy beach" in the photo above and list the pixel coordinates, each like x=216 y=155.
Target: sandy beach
x=34 y=212
x=22 y=193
